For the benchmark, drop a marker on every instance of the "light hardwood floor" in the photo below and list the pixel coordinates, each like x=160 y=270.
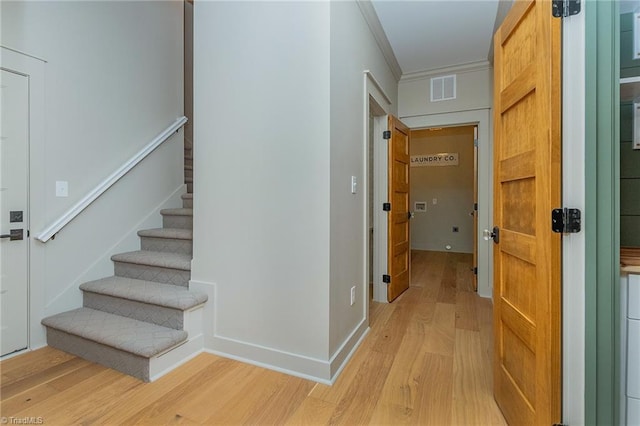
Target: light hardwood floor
x=426 y=361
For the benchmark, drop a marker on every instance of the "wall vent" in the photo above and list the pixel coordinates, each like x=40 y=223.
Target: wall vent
x=443 y=88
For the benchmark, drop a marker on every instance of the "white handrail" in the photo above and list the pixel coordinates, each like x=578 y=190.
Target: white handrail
x=51 y=230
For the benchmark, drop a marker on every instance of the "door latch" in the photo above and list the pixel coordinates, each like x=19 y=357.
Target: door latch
x=494 y=234
x=14 y=235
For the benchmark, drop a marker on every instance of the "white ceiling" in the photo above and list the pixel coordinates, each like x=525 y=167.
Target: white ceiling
x=432 y=34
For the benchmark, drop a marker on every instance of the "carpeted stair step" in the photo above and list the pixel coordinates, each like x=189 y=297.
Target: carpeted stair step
x=156 y=303
x=166 y=268
x=117 y=342
x=170 y=240
x=188 y=172
x=177 y=218
x=187 y=201
x=189 y=182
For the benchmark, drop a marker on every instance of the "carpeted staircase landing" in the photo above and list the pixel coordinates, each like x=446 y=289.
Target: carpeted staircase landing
x=141 y=320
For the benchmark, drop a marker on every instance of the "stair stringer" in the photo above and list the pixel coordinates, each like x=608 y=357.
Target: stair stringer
x=166 y=362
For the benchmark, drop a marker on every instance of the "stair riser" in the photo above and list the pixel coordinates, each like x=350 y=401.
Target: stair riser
x=153 y=273
x=154 y=314
x=190 y=188
x=181 y=222
x=188 y=173
x=125 y=362
x=166 y=245
x=187 y=203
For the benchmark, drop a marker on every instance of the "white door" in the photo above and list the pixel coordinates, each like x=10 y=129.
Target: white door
x=14 y=186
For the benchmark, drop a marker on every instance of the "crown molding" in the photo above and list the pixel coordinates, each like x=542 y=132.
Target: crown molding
x=371 y=17
x=455 y=69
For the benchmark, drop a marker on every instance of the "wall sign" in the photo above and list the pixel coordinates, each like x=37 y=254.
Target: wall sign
x=441 y=159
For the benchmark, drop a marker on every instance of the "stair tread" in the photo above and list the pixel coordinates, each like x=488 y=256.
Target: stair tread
x=174 y=233
x=188 y=167
x=177 y=212
x=188 y=180
x=155 y=258
x=149 y=292
x=129 y=335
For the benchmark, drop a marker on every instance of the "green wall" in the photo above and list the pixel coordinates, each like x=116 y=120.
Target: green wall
x=602 y=213
x=629 y=158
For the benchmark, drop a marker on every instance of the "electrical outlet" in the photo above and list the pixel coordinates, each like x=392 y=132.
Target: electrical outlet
x=353 y=295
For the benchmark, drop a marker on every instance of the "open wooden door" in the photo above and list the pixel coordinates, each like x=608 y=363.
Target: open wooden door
x=398 y=247
x=527 y=186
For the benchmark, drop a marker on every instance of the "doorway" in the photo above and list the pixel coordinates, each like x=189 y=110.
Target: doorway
x=444 y=190
x=484 y=213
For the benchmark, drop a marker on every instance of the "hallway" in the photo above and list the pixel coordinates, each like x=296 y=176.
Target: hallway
x=425 y=361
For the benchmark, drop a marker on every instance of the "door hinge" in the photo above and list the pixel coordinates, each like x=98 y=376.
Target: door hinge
x=475 y=270
x=475 y=143
x=565 y=221
x=386 y=207
x=564 y=8
x=386 y=134
x=475 y=207
x=386 y=279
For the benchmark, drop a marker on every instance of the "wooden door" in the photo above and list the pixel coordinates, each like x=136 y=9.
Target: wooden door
x=527 y=186
x=14 y=157
x=399 y=250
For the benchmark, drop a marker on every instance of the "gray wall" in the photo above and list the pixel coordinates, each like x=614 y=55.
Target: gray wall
x=452 y=186
x=279 y=240
x=112 y=82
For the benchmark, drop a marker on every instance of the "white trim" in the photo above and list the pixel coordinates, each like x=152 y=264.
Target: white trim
x=373 y=92
x=482 y=118
x=371 y=77
x=455 y=69
x=103 y=186
x=573 y=195
x=371 y=17
x=319 y=370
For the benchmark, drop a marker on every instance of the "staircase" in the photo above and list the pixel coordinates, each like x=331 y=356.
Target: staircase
x=143 y=320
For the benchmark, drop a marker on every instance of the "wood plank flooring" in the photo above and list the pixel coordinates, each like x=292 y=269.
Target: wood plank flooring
x=426 y=361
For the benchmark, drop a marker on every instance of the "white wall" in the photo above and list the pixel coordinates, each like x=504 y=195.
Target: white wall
x=112 y=81
x=261 y=183
x=474 y=91
x=353 y=50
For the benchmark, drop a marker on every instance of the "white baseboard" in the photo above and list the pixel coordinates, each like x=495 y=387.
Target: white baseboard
x=342 y=356
x=163 y=364
x=322 y=371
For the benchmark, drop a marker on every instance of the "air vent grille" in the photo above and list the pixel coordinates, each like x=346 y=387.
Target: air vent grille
x=443 y=88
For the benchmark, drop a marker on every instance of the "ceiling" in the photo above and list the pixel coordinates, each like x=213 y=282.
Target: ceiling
x=432 y=34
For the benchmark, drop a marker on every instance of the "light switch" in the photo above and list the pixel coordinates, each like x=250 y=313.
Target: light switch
x=434 y=201
x=354 y=185
x=62 y=188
